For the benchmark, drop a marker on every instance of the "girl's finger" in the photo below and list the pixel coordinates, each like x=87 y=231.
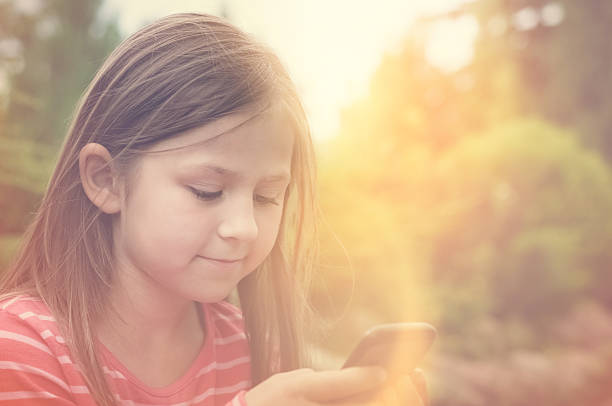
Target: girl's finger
x=420 y=383
x=390 y=396
x=407 y=392
x=328 y=386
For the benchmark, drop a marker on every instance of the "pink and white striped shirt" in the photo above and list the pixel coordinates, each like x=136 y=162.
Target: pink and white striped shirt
x=36 y=366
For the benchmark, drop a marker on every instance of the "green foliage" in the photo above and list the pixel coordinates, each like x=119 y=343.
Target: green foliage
x=510 y=222
x=563 y=69
x=527 y=205
x=56 y=49
x=480 y=201
x=455 y=207
x=62 y=44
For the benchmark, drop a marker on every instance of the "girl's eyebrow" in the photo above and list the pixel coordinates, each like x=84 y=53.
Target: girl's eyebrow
x=282 y=176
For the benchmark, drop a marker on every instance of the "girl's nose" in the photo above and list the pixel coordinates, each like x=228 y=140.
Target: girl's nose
x=239 y=222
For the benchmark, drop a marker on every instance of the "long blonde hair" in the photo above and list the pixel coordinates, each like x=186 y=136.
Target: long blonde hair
x=175 y=74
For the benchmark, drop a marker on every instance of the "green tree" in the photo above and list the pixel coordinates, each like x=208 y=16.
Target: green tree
x=563 y=57
x=49 y=52
x=526 y=206
x=452 y=205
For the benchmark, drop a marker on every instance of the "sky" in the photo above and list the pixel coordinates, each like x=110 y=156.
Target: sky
x=331 y=47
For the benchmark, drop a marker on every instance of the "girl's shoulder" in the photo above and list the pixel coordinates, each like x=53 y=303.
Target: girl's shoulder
x=34 y=355
x=27 y=308
x=27 y=319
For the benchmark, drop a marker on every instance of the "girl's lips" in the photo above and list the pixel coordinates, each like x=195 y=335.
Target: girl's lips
x=223 y=261
x=224 y=265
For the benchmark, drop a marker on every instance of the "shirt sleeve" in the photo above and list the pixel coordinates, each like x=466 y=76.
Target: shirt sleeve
x=30 y=374
x=238 y=400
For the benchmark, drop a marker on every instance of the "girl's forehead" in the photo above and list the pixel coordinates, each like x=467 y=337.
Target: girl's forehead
x=206 y=133
x=273 y=122
x=260 y=147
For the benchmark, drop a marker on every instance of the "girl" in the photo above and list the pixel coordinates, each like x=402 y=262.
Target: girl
x=187 y=172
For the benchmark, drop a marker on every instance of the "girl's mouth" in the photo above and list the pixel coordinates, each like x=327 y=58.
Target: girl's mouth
x=222 y=260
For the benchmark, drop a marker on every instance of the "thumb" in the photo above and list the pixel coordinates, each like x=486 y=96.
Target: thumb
x=327 y=386
x=420 y=383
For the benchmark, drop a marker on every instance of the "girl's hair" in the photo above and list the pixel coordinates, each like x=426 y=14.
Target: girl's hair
x=176 y=74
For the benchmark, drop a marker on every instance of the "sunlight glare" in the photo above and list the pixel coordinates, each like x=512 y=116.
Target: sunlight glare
x=450 y=45
x=331 y=48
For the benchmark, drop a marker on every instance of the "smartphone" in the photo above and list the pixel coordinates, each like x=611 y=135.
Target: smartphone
x=398 y=347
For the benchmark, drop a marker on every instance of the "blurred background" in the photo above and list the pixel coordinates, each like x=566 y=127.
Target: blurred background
x=465 y=169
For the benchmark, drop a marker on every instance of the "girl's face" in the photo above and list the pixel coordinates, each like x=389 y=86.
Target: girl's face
x=196 y=220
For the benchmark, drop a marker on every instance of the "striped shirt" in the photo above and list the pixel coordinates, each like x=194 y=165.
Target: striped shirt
x=36 y=366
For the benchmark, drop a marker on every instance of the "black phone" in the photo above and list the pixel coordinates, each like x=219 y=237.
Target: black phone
x=398 y=347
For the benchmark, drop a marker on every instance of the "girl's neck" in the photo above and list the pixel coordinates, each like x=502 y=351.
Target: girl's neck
x=144 y=316
x=155 y=336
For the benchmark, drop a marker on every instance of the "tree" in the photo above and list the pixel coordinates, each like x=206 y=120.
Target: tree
x=51 y=51
x=526 y=206
x=563 y=58
x=452 y=203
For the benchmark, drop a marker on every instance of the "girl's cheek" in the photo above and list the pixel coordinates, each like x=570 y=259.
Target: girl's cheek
x=270 y=229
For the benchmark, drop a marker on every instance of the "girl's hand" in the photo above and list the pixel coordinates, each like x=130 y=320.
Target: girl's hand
x=403 y=390
x=305 y=387
x=359 y=386
x=420 y=384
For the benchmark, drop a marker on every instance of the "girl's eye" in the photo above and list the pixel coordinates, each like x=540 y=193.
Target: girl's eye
x=265 y=200
x=204 y=195
x=208 y=196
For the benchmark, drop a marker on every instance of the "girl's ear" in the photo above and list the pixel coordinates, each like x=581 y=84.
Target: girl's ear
x=99 y=179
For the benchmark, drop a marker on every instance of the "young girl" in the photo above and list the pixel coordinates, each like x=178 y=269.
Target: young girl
x=187 y=172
